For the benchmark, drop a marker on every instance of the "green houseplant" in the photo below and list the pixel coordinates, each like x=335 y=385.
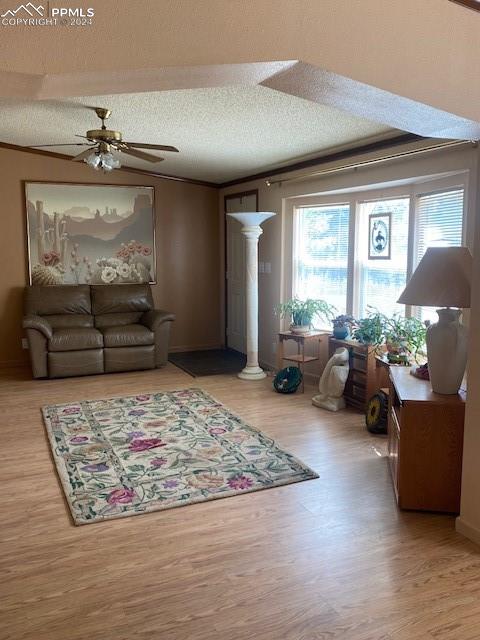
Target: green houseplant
x=302 y=312
x=402 y=337
x=371 y=330
x=343 y=326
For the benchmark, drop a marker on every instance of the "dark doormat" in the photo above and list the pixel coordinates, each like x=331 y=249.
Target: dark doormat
x=209 y=363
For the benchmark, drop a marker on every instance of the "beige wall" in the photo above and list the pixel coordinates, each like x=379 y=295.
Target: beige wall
x=469 y=521
x=276 y=242
x=424 y=50
x=187 y=244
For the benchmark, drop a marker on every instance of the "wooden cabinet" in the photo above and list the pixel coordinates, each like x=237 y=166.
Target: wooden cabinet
x=367 y=374
x=425 y=444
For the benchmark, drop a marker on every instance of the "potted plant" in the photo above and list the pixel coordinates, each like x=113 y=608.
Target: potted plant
x=302 y=313
x=371 y=330
x=342 y=326
x=403 y=338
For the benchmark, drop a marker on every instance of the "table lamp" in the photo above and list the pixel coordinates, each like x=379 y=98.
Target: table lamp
x=442 y=279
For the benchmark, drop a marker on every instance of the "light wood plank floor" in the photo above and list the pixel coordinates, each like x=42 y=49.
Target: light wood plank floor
x=331 y=558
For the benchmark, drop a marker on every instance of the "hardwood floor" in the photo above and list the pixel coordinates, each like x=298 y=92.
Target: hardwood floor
x=331 y=558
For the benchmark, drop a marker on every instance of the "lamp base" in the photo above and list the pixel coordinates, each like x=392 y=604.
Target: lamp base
x=252 y=373
x=447 y=342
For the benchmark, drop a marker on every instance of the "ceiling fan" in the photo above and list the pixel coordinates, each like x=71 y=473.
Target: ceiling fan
x=102 y=141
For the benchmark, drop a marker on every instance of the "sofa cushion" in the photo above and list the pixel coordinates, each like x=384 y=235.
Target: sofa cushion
x=75 y=363
x=117 y=319
x=62 y=321
x=55 y=300
x=129 y=335
x=75 y=339
x=121 y=298
x=129 y=358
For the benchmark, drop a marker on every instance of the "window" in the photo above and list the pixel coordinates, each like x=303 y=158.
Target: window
x=439 y=223
x=320 y=255
x=331 y=244
x=379 y=283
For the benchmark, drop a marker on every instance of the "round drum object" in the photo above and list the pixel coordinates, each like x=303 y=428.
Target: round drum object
x=287 y=380
x=377 y=413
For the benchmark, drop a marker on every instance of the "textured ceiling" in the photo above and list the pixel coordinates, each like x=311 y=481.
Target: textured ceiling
x=222 y=133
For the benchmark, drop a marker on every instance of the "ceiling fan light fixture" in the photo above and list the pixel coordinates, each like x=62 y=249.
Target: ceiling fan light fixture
x=102 y=161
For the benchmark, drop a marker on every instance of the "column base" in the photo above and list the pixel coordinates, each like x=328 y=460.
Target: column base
x=252 y=373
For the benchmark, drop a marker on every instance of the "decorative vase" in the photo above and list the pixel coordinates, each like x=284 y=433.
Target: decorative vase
x=447 y=352
x=341 y=333
x=300 y=329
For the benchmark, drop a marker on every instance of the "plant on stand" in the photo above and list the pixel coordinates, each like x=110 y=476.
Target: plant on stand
x=404 y=337
x=371 y=330
x=302 y=313
x=343 y=326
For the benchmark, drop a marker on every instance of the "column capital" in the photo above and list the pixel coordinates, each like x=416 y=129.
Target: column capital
x=252 y=232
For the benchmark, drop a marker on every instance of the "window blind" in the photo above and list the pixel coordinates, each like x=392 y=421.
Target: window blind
x=379 y=283
x=320 y=257
x=439 y=223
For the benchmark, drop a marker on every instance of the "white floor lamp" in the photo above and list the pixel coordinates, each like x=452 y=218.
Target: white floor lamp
x=252 y=231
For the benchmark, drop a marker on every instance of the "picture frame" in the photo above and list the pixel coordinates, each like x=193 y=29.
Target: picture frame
x=87 y=233
x=379 y=236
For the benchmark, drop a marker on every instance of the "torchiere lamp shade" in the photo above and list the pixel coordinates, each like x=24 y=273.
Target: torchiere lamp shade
x=442 y=279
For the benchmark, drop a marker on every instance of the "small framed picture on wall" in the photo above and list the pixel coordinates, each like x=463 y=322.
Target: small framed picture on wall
x=379 y=236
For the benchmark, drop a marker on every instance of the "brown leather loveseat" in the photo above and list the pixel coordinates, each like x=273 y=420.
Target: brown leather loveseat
x=82 y=330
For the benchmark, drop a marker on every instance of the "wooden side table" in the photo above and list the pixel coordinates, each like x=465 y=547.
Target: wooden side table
x=425 y=443
x=299 y=358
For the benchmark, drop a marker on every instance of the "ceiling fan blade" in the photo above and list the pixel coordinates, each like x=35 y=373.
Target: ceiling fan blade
x=160 y=147
x=83 y=155
x=67 y=144
x=139 y=154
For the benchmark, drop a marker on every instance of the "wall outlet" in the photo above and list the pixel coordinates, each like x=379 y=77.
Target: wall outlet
x=24 y=343
x=268 y=267
x=261 y=267
x=274 y=347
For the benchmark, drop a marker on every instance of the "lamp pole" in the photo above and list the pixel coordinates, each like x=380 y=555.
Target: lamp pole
x=252 y=231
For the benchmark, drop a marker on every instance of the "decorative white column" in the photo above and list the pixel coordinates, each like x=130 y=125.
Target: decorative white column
x=251 y=229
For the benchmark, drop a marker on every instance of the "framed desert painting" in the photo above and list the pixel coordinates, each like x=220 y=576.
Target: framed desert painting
x=90 y=234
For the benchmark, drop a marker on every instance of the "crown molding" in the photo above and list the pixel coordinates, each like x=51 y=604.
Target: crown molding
x=378 y=145
x=143 y=172
x=469 y=4
x=335 y=156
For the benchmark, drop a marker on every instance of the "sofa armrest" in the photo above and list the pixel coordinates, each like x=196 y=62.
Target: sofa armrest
x=153 y=319
x=38 y=323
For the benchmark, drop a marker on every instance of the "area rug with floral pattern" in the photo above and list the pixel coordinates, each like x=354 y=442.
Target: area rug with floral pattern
x=124 y=456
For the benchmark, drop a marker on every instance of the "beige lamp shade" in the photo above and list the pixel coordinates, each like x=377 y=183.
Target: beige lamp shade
x=442 y=279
